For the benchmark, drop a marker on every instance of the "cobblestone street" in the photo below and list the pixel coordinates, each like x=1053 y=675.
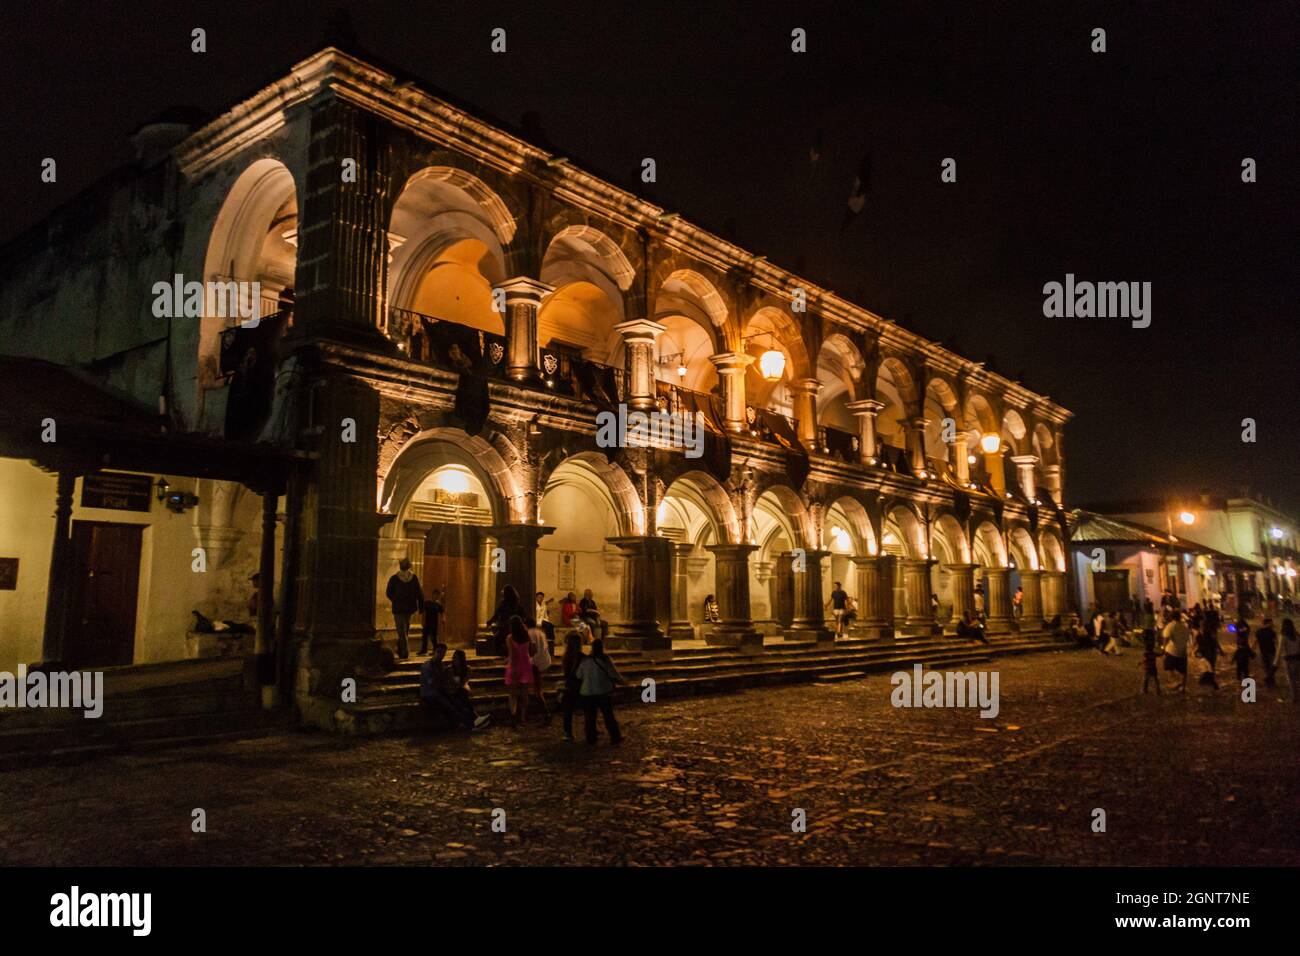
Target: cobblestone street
x=1200 y=779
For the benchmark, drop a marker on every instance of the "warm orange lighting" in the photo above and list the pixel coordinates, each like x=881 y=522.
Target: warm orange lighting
x=1187 y=518
x=991 y=443
x=772 y=364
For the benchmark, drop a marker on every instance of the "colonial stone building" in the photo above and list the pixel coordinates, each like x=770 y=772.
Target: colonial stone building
x=445 y=311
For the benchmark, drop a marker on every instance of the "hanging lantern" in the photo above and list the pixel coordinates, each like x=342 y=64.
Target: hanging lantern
x=772 y=364
x=991 y=443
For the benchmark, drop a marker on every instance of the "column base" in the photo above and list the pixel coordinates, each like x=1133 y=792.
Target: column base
x=681 y=631
x=915 y=627
x=809 y=632
x=873 y=631
x=999 y=625
x=638 y=636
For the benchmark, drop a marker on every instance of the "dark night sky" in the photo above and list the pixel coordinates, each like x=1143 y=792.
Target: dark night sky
x=1116 y=167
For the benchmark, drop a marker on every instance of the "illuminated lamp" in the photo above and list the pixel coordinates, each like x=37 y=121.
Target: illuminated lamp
x=456 y=482
x=1187 y=517
x=772 y=364
x=971 y=459
x=990 y=443
x=1276 y=533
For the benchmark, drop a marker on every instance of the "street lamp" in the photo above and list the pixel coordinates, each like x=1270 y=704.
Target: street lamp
x=990 y=443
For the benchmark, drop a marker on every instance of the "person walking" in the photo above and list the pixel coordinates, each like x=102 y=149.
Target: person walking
x=519 y=670
x=1242 y=655
x=540 y=655
x=1290 y=654
x=598 y=677
x=1266 y=641
x=1149 y=654
x=1175 y=636
x=839 y=597
x=509 y=608
x=407 y=598
x=1207 y=648
x=429 y=629
x=571 y=683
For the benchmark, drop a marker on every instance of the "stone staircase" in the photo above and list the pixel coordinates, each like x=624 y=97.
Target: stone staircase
x=144 y=706
x=391 y=702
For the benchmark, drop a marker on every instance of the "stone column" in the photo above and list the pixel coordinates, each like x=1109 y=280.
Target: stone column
x=639 y=338
x=997 y=598
x=916 y=584
x=731 y=372
x=875 y=596
x=805 y=410
x=679 y=626
x=1054 y=598
x=731 y=584
x=809 y=611
x=640 y=628
x=56 y=593
x=866 y=411
x=519 y=544
x=961 y=581
x=1031 y=609
x=916 y=443
x=266 y=579
x=523 y=301
x=961 y=458
x=1025 y=474
x=781 y=589
x=1052 y=481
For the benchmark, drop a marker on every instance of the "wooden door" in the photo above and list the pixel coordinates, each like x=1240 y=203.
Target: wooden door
x=457 y=576
x=105 y=585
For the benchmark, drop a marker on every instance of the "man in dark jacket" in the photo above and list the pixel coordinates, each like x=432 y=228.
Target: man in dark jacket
x=407 y=597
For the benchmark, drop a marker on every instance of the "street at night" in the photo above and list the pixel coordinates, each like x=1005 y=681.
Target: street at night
x=1184 y=780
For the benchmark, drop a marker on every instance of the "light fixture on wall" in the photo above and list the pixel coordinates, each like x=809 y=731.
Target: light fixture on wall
x=1276 y=533
x=771 y=363
x=1186 y=517
x=176 y=501
x=991 y=443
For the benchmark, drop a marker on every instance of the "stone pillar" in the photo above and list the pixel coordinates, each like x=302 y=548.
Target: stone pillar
x=916 y=585
x=997 y=598
x=523 y=301
x=805 y=410
x=916 y=444
x=519 y=542
x=809 y=611
x=875 y=596
x=866 y=411
x=639 y=338
x=731 y=372
x=731 y=584
x=1025 y=474
x=961 y=581
x=1054 y=597
x=679 y=626
x=781 y=589
x=266 y=577
x=961 y=459
x=643 y=558
x=56 y=593
x=1052 y=481
x=1031 y=608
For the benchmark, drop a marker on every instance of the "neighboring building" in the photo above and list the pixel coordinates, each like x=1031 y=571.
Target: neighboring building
x=445 y=310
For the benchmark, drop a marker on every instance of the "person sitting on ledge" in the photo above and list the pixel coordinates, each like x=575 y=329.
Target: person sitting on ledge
x=970 y=629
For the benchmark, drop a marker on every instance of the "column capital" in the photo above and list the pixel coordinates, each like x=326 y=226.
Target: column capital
x=866 y=406
x=525 y=288
x=917 y=421
x=731 y=550
x=959 y=567
x=871 y=560
x=810 y=386
x=731 y=361
x=1025 y=461
x=516 y=534
x=640 y=330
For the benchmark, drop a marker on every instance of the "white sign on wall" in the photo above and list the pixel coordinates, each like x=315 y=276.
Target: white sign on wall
x=568 y=573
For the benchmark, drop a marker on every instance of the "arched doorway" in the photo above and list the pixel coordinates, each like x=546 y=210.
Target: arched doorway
x=695 y=515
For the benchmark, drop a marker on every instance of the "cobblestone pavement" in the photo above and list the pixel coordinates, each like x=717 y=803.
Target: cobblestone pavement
x=1200 y=779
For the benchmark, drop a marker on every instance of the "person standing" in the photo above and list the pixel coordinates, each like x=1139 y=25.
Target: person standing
x=542 y=615
x=540 y=655
x=571 y=686
x=429 y=629
x=1175 y=635
x=519 y=670
x=598 y=676
x=1207 y=648
x=978 y=600
x=1290 y=653
x=1018 y=603
x=1242 y=655
x=1266 y=641
x=407 y=598
x=838 y=599
x=509 y=608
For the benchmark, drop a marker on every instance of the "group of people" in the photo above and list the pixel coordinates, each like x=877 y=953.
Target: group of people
x=526 y=640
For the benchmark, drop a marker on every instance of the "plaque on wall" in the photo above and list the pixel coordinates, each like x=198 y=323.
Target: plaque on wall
x=116 y=491
x=8 y=574
x=567 y=578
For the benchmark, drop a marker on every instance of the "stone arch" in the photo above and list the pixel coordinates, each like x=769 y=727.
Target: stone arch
x=989 y=549
x=948 y=540
x=253 y=239
x=1013 y=431
x=842 y=372
x=784 y=503
x=896 y=389
x=940 y=403
x=772 y=327
x=590 y=274
x=1053 y=554
x=431 y=449
x=447 y=234
x=704 y=491
x=860 y=533
x=904 y=533
x=694 y=316
x=1021 y=549
x=613 y=482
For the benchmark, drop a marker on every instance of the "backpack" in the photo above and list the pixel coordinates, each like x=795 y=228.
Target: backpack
x=541 y=654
